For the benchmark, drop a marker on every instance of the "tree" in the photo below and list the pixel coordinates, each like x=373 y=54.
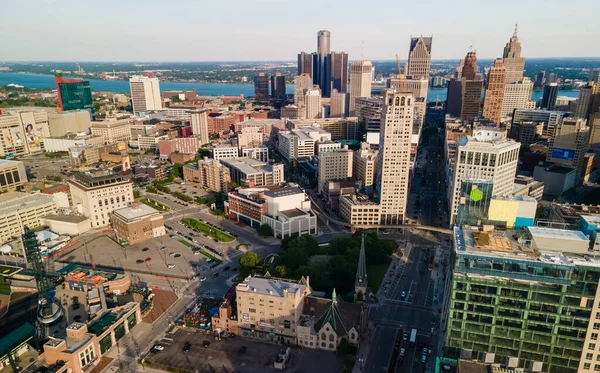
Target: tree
x=249 y=259
x=136 y=194
x=177 y=170
x=295 y=257
x=305 y=243
x=203 y=153
x=234 y=185
x=265 y=230
x=281 y=271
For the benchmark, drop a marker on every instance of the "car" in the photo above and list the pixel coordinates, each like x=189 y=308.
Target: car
x=148 y=259
x=385 y=232
x=216 y=275
x=402 y=351
x=226 y=268
x=205 y=343
x=403 y=294
x=159 y=347
x=195 y=241
x=209 y=260
x=405 y=337
x=139 y=261
x=424 y=358
x=425 y=350
x=192 y=234
x=164 y=248
x=234 y=270
x=172 y=236
x=171 y=254
x=145 y=249
x=176 y=255
x=187 y=346
x=202 y=279
x=197 y=252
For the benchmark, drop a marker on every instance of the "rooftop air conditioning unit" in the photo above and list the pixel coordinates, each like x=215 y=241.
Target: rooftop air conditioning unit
x=535 y=366
x=488 y=357
x=511 y=362
x=466 y=354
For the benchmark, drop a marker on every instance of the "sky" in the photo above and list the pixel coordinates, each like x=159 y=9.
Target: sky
x=276 y=30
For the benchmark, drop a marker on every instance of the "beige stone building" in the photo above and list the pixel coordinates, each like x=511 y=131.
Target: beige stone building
x=312 y=102
x=494 y=92
x=69 y=121
x=337 y=104
x=569 y=145
x=339 y=128
x=199 y=120
x=594 y=124
x=18 y=210
x=363 y=165
x=145 y=93
x=334 y=165
x=302 y=83
x=517 y=95
x=269 y=309
x=361 y=76
x=250 y=137
x=208 y=173
x=252 y=172
x=358 y=210
x=514 y=63
x=419 y=57
x=113 y=130
x=137 y=223
x=12 y=175
x=98 y=193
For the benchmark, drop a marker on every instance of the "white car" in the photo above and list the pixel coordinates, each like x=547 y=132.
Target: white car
x=403 y=294
x=171 y=266
x=159 y=347
x=423 y=358
x=197 y=252
x=163 y=248
x=202 y=279
x=385 y=232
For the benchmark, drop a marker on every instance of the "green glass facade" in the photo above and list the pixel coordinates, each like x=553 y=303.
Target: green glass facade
x=76 y=96
x=532 y=310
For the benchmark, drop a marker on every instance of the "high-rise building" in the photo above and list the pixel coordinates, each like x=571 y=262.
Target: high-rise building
x=551 y=120
x=337 y=104
x=551 y=78
x=540 y=79
x=487 y=155
x=569 y=144
x=470 y=68
x=360 y=82
x=513 y=62
x=278 y=86
x=199 y=119
x=302 y=83
x=394 y=157
x=454 y=98
x=208 y=173
x=73 y=94
x=334 y=165
x=594 y=124
x=588 y=101
x=336 y=73
x=261 y=87
x=145 y=93
x=494 y=92
x=471 y=98
x=312 y=101
x=307 y=63
x=363 y=165
x=550 y=95
x=419 y=58
x=517 y=95
x=323 y=50
x=368 y=112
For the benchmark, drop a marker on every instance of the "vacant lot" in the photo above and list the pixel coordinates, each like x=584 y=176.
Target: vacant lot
x=223 y=356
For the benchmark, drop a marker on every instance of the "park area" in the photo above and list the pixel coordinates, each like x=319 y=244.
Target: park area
x=154 y=204
x=207 y=229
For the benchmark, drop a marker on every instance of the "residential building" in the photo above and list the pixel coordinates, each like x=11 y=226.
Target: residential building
x=337 y=104
x=208 y=173
x=419 y=57
x=76 y=121
x=551 y=120
x=145 y=93
x=199 y=121
x=254 y=173
x=97 y=193
x=326 y=146
x=73 y=94
x=360 y=83
x=364 y=166
x=312 y=102
x=487 y=155
x=333 y=165
x=222 y=151
x=185 y=145
x=112 y=130
x=137 y=223
x=517 y=95
x=494 y=92
x=336 y=73
x=339 y=128
x=261 y=87
x=270 y=308
x=569 y=144
x=250 y=137
x=513 y=62
x=278 y=86
x=394 y=155
x=219 y=123
x=549 y=97
x=301 y=142
x=18 y=210
x=12 y=175
x=545 y=305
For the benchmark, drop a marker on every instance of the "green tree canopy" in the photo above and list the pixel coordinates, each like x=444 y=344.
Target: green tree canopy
x=249 y=259
x=265 y=230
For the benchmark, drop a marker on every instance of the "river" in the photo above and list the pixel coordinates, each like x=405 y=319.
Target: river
x=39 y=81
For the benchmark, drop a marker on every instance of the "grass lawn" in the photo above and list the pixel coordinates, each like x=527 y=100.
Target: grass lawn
x=155 y=204
x=376 y=273
x=210 y=256
x=188 y=244
x=207 y=229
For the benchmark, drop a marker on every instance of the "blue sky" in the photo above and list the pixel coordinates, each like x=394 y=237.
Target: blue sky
x=200 y=30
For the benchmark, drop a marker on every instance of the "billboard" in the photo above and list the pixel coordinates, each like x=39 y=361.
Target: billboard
x=561 y=153
x=34 y=136
x=13 y=137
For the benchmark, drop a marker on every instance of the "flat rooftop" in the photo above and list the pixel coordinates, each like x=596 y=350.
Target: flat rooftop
x=294 y=213
x=67 y=218
x=12 y=201
x=7 y=271
x=5 y=163
x=283 y=192
x=562 y=234
x=270 y=286
x=131 y=213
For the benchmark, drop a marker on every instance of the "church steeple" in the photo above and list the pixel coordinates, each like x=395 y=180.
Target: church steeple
x=360 y=285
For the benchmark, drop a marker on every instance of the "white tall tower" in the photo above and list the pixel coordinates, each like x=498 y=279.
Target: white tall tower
x=145 y=93
x=200 y=125
x=361 y=76
x=312 y=100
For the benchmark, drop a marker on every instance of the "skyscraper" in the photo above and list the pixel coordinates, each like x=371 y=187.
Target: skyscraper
x=471 y=98
x=514 y=63
x=301 y=84
x=494 y=92
x=307 y=62
x=569 y=144
x=278 y=86
x=145 y=93
x=394 y=157
x=540 y=79
x=337 y=104
x=550 y=95
x=261 y=87
x=336 y=67
x=419 y=57
x=73 y=94
x=199 y=120
x=551 y=78
x=517 y=95
x=323 y=49
x=312 y=100
x=470 y=68
x=454 y=98
x=360 y=82
x=588 y=101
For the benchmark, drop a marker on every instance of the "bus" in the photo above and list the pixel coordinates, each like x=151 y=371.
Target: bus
x=413 y=336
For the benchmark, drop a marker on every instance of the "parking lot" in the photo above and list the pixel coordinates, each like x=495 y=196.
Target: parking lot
x=226 y=356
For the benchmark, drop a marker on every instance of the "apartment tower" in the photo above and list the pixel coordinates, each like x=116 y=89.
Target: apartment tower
x=145 y=93
x=513 y=62
x=360 y=82
x=394 y=155
x=334 y=165
x=199 y=120
x=494 y=92
x=419 y=58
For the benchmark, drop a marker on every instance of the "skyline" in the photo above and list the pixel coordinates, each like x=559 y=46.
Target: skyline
x=114 y=31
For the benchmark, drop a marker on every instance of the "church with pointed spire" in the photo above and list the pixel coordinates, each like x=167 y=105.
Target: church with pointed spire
x=361 y=282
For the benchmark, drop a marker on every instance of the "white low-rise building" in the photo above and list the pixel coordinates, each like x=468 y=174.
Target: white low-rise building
x=72 y=140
